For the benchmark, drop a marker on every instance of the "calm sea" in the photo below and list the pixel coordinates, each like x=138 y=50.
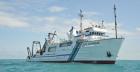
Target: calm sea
x=23 y=66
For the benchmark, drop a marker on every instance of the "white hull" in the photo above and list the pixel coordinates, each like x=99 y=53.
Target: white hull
x=97 y=52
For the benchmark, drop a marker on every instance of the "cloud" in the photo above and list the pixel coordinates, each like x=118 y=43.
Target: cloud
x=56 y=9
x=120 y=31
x=62 y=25
x=51 y=18
x=5 y=6
x=90 y=13
x=8 y=20
x=138 y=29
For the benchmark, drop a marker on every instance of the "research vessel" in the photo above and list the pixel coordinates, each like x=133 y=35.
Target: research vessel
x=86 y=45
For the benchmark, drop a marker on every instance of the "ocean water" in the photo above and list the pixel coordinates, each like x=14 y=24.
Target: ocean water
x=16 y=65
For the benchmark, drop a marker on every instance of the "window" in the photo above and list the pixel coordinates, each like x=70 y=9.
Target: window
x=65 y=44
x=90 y=43
x=52 y=49
x=90 y=33
x=97 y=33
x=77 y=32
x=87 y=31
x=93 y=33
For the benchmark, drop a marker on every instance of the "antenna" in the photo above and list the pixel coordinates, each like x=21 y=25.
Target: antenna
x=81 y=18
x=102 y=23
x=115 y=21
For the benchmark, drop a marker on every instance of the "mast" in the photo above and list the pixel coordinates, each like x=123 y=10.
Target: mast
x=51 y=36
x=102 y=23
x=115 y=21
x=81 y=18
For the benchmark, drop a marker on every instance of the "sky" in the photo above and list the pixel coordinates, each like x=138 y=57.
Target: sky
x=24 y=21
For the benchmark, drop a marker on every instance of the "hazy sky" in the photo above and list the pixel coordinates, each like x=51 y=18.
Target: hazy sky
x=23 y=21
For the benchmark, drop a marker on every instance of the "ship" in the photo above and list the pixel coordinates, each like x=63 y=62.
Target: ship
x=86 y=45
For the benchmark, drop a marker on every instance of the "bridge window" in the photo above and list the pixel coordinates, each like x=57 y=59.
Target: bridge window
x=92 y=33
x=95 y=33
x=87 y=31
x=99 y=34
x=102 y=34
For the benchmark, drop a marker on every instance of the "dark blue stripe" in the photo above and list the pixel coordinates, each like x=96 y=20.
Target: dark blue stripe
x=75 y=51
x=56 y=55
x=78 y=36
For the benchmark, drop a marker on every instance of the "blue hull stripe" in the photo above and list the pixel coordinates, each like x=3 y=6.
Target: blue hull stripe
x=75 y=51
x=55 y=55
